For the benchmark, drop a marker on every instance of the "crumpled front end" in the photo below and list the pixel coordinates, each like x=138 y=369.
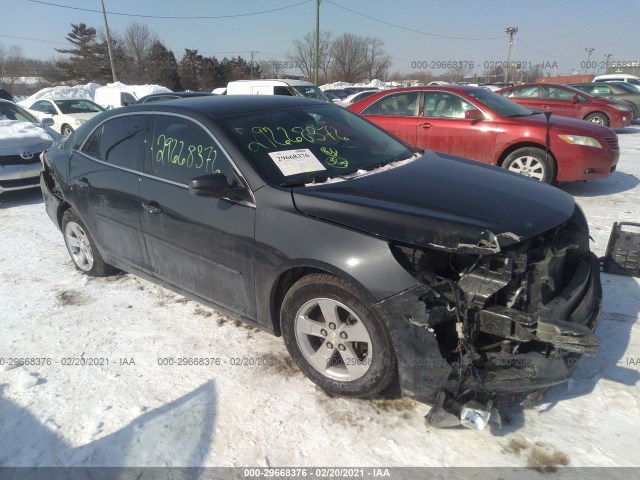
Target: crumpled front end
x=496 y=321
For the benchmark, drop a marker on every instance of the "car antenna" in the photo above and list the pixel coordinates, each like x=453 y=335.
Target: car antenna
x=548 y=139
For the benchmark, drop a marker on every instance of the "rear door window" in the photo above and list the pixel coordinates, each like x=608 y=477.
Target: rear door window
x=123 y=140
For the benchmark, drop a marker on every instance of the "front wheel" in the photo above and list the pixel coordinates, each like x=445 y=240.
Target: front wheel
x=82 y=248
x=336 y=338
x=599 y=118
x=531 y=162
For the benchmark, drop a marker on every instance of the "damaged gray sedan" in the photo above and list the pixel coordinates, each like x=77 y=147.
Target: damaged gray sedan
x=379 y=264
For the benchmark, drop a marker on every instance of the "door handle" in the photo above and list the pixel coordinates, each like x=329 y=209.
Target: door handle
x=81 y=182
x=426 y=125
x=152 y=208
x=546 y=106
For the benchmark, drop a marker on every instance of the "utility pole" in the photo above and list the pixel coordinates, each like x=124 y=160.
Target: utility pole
x=511 y=31
x=589 y=52
x=607 y=58
x=106 y=27
x=316 y=53
x=252 y=53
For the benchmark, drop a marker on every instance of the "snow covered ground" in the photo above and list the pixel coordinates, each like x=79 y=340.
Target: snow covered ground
x=131 y=410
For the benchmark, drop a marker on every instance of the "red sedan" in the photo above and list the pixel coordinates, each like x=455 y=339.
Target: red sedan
x=476 y=123
x=570 y=102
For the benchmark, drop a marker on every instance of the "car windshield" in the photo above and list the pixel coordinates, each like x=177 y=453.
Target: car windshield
x=311 y=143
x=78 y=106
x=11 y=111
x=499 y=104
x=311 y=91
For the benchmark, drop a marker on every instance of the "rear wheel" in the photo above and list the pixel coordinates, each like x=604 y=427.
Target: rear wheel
x=531 y=162
x=66 y=130
x=336 y=338
x=82 y=248
x=599 y=118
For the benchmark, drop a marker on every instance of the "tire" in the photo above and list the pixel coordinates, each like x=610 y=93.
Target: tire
x=531 y=162
x=81 y=247
x=321 y=318
x=66 y=130
x=599 y=118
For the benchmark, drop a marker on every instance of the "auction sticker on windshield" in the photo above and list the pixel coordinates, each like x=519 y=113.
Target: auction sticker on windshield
x=293 y=162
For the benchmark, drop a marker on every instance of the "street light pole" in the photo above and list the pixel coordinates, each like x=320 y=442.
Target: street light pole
x=511 y=31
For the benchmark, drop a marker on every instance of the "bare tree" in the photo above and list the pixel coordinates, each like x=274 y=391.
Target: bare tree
x=13 y=65
x=303 y=55
x=137 y=41
x=272 y=68
x=376 y=61
x=349 y=58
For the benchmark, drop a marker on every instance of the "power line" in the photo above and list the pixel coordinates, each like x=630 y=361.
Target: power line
x=203 y=17
x=32 y=39
x=544 y=53
x=406 y=28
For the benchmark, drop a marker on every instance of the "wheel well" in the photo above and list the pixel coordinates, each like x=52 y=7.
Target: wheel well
x=599 y=113
x=61 y=209
x=284 y=282
x=513 y=148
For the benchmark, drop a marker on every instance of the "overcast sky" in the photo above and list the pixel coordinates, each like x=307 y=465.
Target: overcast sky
x=552 y=32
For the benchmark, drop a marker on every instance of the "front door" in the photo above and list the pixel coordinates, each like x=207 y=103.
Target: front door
x=442 y=127
x=202 y=245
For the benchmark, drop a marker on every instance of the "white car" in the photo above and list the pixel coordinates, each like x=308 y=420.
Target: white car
x=356 y=96
x=67 y=113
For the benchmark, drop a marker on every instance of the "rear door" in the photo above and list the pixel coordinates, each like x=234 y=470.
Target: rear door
x=105 y=177
x=202 y=245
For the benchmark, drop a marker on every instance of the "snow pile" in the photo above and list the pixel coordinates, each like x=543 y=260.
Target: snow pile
x=18 y=137
x=375 y=83
x=139 y=91
x=89 y=91
x=77 y=91
x=335 y=86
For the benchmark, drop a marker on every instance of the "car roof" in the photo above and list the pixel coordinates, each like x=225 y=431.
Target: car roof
x=55 y=99
x=223 y=105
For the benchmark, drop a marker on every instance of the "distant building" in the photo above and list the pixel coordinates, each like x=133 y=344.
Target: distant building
x=565 y=79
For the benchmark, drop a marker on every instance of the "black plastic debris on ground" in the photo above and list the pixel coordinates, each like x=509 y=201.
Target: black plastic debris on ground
x=623 y=250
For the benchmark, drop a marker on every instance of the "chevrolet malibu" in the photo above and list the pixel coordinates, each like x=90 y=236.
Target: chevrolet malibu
x=379 y=264
x=478 y=124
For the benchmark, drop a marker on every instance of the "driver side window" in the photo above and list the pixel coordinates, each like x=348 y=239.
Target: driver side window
x=398 y=104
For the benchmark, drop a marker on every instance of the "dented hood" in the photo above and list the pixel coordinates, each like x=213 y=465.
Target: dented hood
x=443 y=202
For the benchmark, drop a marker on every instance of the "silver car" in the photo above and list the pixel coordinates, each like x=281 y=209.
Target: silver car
x=22 y=139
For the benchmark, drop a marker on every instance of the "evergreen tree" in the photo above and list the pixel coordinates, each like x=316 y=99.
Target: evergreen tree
x=86 y=55
x=163 y=67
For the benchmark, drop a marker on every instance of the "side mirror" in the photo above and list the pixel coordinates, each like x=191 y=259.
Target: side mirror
x=474 y=115
x=216 y=185
x=47 y=122
x=575 y=99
